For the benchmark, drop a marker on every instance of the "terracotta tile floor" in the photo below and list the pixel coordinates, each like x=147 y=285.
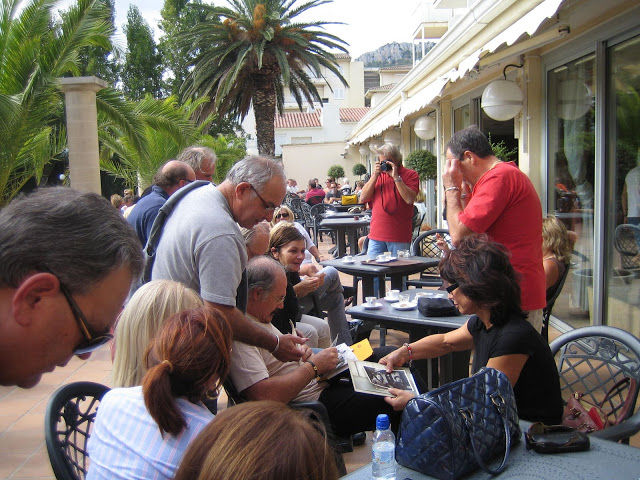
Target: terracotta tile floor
x=23 y=454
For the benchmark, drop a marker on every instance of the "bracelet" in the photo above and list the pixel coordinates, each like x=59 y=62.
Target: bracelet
x=448 y=189
x=410 y=352
x=277 y=344
x=399 y=179
x=315 y=369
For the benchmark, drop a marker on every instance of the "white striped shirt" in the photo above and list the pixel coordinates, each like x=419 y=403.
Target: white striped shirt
x=126 y=442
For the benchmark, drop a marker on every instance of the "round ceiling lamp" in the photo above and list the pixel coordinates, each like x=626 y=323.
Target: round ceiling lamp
x=393 y=137
x=502 y=100
x=574 y=99
x=425 y=127
x=363 y=150
x=374 y=146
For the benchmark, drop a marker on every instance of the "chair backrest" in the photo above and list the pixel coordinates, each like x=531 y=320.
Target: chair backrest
x=591 y=360
x=306 y=212
x=319 y=209
x=70 y=414
x=627 y=242
x=425 y=246
x=315 y=200
x=296 y=206
x=546 y=312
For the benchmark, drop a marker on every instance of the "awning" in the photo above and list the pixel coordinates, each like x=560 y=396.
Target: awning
x=389 y=119
x=528 y=23
x=423 y=98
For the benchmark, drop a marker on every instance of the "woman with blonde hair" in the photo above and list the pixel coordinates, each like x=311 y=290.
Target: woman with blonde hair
x=142 y=432
x=248 y=441
x=557 y=245
x=141 y=320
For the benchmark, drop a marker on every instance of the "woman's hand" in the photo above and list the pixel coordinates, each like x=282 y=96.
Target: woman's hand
x=306 y=286
x=397 y=358
x=400 y=400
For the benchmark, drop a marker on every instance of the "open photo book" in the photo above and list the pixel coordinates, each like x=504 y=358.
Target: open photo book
x=372 y=378
x=357 y=351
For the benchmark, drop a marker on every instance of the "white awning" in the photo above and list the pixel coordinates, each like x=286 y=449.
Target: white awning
x=389 y=119
x=529 y=23
x=423 y=98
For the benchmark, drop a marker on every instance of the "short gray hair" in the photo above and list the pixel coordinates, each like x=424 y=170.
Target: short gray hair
x=390 y=151
x=196 y=154
x=79 y=237
x=249 y=233
x=255 y=170
x=262 y=272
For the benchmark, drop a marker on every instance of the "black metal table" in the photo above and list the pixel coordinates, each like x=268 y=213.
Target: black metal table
x=368 y=272
x=343 y=208
x=346 y=227
x=447 y=368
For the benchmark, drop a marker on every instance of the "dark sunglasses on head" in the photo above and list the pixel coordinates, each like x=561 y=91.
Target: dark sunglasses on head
x=92 y=340
x=452 y=287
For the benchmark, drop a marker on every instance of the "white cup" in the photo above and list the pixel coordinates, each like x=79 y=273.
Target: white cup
x=347 y=258
x=387 y=255
x=403 y=298
x=381 y=258
x=371 y=301
x=393 y=294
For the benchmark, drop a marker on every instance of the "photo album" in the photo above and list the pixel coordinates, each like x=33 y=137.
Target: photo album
x=372 y=378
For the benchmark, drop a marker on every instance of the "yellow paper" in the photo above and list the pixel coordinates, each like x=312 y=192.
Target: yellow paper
x=362 y=349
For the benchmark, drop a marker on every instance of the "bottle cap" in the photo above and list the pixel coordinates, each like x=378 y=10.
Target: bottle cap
x=382 y=422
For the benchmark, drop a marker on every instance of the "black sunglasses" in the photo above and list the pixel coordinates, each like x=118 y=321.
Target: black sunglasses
x=452 y=287
x=282 y=215
x=92 y=340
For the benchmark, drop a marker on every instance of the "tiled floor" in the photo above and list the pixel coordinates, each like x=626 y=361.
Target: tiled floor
x=23 y=452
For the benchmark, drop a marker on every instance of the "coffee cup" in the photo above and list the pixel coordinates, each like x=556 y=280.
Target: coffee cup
x=347 y=258
x=387 y=255
x=393 y=294
x=371 y=301
x=403 y=298
x=381 y=258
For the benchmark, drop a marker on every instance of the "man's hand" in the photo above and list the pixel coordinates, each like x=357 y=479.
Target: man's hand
x=452 y=174
x=400 y=400
x=392 y=169
x=326 y=360
x=288 y=350
x=397 y=358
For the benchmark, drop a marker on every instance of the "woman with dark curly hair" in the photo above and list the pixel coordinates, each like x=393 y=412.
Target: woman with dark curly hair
x=482 y=283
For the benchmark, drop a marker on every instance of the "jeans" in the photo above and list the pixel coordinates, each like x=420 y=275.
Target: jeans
x=377 y=247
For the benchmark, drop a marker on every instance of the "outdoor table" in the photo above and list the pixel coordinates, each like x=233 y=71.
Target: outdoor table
x=334 y=214
x=437 y=371
x=398 y=270
x=343 y=208
x=605 y=459
x=345 y=227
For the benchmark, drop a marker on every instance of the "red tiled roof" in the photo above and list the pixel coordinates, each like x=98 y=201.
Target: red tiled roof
x=397 y=67
x=342 y=56
x=298 y=120
x=353 y=114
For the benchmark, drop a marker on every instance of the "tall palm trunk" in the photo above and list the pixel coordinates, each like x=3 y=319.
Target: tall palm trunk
x=264 y=106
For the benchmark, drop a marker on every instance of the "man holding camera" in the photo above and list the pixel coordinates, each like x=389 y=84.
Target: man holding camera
x=390 y=191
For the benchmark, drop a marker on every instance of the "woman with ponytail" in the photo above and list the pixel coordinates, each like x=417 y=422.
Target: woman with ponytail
x=142 y=432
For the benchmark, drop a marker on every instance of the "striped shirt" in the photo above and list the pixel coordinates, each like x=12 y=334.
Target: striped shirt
x=126 y=442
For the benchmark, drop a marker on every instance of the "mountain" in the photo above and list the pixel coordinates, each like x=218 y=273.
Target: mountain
x=389 y=55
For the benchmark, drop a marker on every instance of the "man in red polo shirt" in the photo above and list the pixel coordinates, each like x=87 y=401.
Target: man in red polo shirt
x=391 y=194
x=503 y=204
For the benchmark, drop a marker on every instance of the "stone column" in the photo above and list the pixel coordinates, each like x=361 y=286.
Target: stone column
x=82 y=131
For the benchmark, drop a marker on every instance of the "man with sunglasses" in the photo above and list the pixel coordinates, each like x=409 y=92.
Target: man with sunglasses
x=202 y=245
x=66 y=263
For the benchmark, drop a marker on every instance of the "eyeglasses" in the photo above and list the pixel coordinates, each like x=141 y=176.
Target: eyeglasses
x=282 y=215
x=275 y=297
x=452 y=287
x=267 y=207
x=92 y=340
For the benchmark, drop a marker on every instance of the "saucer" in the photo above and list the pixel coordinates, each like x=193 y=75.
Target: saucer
x=348 y=262
x=391 y=300
x=390 y=259
x=375 y=306
x=405 y=306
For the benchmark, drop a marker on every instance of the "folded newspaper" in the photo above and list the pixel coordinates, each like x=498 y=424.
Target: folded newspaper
x=370 y=377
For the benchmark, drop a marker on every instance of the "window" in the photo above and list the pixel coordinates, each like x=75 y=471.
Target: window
x=338 y=93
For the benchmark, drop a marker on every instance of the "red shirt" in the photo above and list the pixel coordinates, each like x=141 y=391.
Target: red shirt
x=506 y=207
x=313 y=192
x=391 y=215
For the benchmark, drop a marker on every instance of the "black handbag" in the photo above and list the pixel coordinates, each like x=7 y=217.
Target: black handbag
x=437 y=307
x=460 y=426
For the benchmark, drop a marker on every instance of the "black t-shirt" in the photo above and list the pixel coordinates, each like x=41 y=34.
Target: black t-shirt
x=537 y=390
x=291 y=310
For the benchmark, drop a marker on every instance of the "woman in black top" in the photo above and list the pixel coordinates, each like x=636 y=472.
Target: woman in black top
x=482 y=282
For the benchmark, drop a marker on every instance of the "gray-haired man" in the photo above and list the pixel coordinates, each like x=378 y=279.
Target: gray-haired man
x=202 y=160
x=66 y=263
x=202 y=245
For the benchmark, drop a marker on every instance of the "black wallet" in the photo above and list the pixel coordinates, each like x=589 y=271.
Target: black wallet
x=555 y=439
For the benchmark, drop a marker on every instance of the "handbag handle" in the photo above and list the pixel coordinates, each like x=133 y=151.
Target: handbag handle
x=498 y=402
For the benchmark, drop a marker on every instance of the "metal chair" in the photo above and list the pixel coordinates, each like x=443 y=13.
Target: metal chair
x=295 y=204
x=425 y=246
x=591 y=360
x=315 y=200
x=316 y=215
x=546 y=311
x=70 y=414
x=627 y=242
x=308 y=219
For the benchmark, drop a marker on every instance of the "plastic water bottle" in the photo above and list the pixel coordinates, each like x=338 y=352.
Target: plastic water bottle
x=384 y=450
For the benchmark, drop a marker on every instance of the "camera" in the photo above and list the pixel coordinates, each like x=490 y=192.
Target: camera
x=384 y=166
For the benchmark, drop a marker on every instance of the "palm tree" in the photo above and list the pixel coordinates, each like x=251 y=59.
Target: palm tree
x=34 y=51
x=250 y=53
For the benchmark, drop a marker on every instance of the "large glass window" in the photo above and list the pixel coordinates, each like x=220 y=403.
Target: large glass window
x=571 y=142
x=623 y=220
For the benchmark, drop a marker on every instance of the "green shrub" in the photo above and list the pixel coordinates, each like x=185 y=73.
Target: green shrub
x=424 y=162
x=336 y=171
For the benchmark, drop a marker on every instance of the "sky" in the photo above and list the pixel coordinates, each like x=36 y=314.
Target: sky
x=369 y=23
